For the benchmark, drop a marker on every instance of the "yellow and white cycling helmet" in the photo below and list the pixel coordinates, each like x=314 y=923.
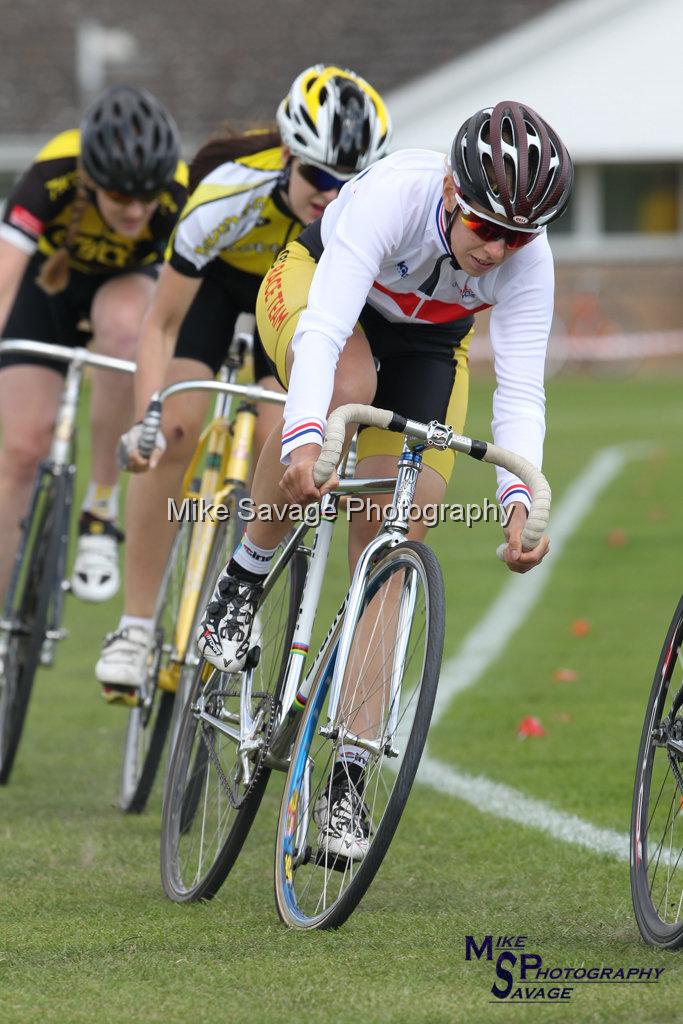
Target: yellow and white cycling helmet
x=334 y=119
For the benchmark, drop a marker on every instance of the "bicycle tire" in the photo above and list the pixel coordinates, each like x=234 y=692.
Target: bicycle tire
x=192 y=770
x=305 y=906
x=657 y=902
x=147 y=729
x=28 y=607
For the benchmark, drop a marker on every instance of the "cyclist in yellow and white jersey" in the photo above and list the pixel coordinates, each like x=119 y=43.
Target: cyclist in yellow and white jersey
x=83 y=233
x=252 y=196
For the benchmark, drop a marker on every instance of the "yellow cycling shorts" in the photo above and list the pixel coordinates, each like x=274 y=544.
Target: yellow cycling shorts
x=423 y=369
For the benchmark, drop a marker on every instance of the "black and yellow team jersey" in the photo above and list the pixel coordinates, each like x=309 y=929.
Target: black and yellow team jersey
x=235 y=219
x=38 y=213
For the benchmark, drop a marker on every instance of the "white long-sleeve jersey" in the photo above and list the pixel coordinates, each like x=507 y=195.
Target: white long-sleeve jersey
x=384 y=240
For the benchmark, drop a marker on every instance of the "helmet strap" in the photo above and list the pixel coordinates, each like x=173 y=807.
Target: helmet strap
x=285 y=175
x=450 y=217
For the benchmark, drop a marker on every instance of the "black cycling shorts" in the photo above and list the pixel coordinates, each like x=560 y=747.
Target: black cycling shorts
x=209 y=323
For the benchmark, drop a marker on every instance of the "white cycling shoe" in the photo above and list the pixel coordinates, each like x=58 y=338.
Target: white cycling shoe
x=342 y=817
x=95 y=575
x=122 y=664
x=224 y=636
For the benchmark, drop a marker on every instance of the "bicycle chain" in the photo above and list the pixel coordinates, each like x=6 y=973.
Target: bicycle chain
x=673 y=762
x=207 y=735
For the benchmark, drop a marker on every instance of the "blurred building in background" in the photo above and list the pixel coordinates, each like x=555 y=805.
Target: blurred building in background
x=606 y=73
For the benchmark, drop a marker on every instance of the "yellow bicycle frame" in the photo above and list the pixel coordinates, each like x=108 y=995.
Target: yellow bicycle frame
x=223 y=451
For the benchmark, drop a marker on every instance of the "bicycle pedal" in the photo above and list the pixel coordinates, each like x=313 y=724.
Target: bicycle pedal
x=253 y=657
x=47 y=653
x=169 y=677
x=333 y=861
x=130 y=698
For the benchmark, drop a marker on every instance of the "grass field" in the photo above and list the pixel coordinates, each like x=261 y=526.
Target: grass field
x=86 y=934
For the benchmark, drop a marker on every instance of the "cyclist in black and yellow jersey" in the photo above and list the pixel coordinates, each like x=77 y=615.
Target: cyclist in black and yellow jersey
x=82 y=236
x=253 y=194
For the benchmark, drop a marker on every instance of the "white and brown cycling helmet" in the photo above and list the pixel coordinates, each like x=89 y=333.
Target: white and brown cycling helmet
x=511 y=162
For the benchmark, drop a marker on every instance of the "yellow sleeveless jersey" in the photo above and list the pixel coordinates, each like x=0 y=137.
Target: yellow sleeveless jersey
x=38 y=213
x=235 y=216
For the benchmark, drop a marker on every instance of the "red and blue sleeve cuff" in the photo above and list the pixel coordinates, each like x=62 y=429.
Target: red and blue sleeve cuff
x=516 y=491
x=308 y=431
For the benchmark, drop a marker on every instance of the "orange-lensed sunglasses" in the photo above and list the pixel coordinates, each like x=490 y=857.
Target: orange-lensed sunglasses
x=122 y=199
x=490 y=230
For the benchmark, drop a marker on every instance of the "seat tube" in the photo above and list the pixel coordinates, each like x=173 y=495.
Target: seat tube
x=66 y=416
x=237 y=469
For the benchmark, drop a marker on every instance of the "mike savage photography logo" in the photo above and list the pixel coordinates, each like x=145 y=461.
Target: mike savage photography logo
x=525 y=976
x=201 y=510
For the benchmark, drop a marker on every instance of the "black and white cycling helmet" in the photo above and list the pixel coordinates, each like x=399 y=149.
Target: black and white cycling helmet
x=511 y=162
x=334 y=119
x=129 y=142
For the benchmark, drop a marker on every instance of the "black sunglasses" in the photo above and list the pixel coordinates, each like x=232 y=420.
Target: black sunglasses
x=318 y=178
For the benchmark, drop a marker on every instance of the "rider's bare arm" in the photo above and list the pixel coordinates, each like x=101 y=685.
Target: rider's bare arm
x=160 y=328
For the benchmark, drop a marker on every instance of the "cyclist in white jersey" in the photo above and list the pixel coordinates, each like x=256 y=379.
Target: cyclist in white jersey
x=396 y=268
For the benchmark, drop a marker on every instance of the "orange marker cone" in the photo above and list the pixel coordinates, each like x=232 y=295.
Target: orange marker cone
x=565 y=675
x=530 y=726
x=581 y=627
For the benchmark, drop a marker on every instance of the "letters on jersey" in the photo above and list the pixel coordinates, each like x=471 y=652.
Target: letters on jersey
x=235 y=216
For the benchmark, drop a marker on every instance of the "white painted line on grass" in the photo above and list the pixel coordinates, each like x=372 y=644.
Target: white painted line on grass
x=504 y=802
x=486 y=642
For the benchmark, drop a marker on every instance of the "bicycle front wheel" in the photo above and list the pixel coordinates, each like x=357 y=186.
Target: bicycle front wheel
x=327 y=852
x=657 y=815
x=26 y=613
x=216 y=780
x=148 y=724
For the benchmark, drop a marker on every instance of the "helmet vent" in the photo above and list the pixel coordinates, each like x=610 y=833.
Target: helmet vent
x=534 y=165
x=490 y=173
x=308 y=119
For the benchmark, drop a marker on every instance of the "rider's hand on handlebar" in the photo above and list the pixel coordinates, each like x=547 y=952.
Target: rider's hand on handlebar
x=297 y=484
x=128 y=456
x=513 y=556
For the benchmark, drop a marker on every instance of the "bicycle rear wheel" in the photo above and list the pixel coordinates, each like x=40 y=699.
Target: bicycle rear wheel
x=390 y=679
x=213 y=790
x=27 y=609
x=657 y=814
